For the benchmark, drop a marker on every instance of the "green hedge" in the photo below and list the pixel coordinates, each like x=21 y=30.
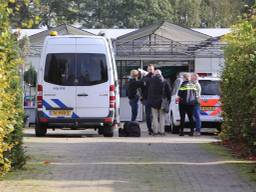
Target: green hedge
x=11 y=110
x=239 y=87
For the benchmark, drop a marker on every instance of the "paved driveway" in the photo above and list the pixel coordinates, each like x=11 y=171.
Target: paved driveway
x=77 y=161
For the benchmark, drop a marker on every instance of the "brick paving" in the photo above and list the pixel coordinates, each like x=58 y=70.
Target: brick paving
x=84 y=162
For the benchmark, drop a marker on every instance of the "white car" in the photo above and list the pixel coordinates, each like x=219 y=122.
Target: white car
x=77 y=85
x=210 y=104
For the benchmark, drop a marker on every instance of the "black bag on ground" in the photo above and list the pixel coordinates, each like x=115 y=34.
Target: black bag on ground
x=131 y=129
x=121 y=132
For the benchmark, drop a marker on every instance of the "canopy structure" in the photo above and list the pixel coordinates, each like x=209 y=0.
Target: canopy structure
x=166 y=41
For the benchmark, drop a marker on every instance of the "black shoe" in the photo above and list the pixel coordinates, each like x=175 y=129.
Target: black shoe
x=150 y=133
x=191 y=134
x=181 y=134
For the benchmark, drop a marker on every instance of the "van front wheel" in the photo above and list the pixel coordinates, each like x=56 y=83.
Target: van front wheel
x=40 y=130
x=108 y=131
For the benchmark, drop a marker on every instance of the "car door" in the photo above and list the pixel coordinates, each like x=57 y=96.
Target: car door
x=92 y=93
x=59 y=85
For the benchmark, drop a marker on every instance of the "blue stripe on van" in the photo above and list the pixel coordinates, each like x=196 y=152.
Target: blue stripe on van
x=203 y=113
x=74 y=115
x=46 y=105
x=59 y=103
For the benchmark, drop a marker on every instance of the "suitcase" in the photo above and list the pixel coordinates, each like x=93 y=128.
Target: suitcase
x=131 y=129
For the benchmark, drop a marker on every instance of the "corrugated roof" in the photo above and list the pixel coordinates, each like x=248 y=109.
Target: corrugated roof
x=166 y=30
x=27 y=32
x=110 y=33
x=62 y=29
x=213 y=32
x=121 y=33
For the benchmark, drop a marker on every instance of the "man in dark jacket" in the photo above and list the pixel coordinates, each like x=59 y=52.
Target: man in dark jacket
x=157 y=90
x=186 y=99
x=133 y=86
x=146 y=79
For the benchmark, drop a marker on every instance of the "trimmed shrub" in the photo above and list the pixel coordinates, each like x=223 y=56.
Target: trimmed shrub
x=239 y=86
x=11 y=106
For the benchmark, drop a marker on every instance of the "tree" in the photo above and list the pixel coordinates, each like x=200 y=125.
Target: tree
x=30 y=76
x=56 y=12
x=239 y=86
x=138 y=13
x=25 y=13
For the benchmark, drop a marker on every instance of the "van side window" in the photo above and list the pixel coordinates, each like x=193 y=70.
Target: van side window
x=91 y=69
x=60 y=68
x=175 y=87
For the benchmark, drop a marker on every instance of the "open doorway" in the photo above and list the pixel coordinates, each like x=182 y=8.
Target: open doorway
x=169 y=69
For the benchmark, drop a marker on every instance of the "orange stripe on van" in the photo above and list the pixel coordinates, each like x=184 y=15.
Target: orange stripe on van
x=209 y=102
x=216 y=112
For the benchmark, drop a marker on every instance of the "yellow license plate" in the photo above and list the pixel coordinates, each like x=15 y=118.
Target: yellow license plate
x=60 y=113
x=208 y=108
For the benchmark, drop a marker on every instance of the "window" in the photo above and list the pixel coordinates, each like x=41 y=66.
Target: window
x=60 y=69
x=91 y=69
x=70 y=69
x=210 y=87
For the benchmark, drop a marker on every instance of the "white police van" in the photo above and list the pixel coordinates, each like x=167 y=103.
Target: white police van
x=77 y=85
x=210 y=103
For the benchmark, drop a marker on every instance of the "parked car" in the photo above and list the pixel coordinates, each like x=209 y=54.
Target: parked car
x=77 y=85
x=210 y=104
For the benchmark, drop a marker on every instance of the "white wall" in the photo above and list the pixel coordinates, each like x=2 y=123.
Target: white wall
x=209 y=65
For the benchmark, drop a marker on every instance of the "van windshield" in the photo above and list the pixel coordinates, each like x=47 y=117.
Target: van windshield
x=210 y=87
x=69 y=69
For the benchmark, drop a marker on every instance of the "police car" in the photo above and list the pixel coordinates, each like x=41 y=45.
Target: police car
x=77 y=85
x=210 y=103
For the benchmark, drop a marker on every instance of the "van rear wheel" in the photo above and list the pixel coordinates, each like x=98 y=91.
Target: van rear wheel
x=40 y=130
x=108 y=131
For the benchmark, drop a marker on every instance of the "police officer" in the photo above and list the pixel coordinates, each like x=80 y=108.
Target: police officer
x=186 y=99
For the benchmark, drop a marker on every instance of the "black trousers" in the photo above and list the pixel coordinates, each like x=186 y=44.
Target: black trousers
x=189 y=110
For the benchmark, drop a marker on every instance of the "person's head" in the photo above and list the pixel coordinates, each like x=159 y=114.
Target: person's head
x=134 y=74
x=186 y=77
x=158 y=72
x=151 y=68
x=194 y=77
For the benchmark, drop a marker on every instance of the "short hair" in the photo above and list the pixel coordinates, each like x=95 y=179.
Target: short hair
x=151 y=65
x=134 y=73
x=195 y=75
x=186 y=76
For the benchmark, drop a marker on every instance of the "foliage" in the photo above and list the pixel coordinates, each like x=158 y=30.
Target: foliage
x=25 y=13
x=30 y=76
x=11 y=111
x=139 y=13
x=239 y=85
